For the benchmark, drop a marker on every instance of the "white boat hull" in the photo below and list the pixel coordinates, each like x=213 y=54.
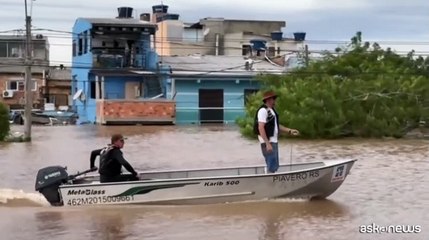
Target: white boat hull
x=209 y=186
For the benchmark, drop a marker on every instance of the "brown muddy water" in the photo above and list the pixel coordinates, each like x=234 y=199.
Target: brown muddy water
x=388 y=187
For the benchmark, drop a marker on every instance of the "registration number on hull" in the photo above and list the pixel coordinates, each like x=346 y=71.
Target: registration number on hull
x=98 y=200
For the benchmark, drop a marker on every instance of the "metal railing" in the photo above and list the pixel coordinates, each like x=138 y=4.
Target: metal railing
x=193 y=115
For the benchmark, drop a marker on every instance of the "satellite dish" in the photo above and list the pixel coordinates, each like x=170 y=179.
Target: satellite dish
x=206 y=31
x=77 y=94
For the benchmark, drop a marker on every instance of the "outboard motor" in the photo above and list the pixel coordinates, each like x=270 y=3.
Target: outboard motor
x=48 y=181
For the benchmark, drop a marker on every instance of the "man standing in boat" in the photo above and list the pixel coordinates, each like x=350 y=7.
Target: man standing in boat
x=111 y=161
x=267 y=127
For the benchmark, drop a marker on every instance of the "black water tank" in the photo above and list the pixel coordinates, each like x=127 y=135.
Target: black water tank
x=276 y=36
x=258 y=44
x=299 y=36
x=145 y=17
x=171 y=17
x=160 y=8
x=125 y=12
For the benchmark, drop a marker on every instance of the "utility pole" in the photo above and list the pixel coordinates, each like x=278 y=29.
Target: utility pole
x=306 y=55
x=28 y=81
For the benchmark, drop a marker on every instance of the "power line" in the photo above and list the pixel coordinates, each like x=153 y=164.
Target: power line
x=228 y=70
x=13 y=30
x=416 y=53
x=309 y=41
x=208 y=47
x=82 y=65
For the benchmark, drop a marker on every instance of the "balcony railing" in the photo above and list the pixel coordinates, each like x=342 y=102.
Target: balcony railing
x=117 y=58
x=109 y=61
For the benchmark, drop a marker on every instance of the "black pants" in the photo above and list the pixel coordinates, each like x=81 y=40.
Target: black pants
x=117 y=178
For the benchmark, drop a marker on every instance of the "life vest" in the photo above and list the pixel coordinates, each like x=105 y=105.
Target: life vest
x=105 y=159
x=269 y=125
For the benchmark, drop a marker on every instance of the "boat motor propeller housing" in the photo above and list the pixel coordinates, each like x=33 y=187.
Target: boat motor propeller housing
x=48 y=181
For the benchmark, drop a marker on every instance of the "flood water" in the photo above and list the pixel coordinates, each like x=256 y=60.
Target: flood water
x=388 y=185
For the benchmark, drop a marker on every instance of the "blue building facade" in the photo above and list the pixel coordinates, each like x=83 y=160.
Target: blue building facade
x=212 y=89
x=114 y=60
x=217 y=99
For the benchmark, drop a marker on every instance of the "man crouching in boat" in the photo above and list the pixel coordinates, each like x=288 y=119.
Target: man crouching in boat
x=111 y=162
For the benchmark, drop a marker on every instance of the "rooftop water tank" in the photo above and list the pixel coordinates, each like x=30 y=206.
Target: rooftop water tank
x=258 y=44
x=125 y=12
x=277 y=36
x=299 y=36
x=160 y=8
x=170 y=16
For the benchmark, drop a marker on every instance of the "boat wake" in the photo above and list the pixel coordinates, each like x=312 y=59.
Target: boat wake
x=276 y=200
x=289 y=200
x=19 y=198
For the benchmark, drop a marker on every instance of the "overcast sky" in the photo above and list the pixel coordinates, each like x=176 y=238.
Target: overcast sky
x=404 y=22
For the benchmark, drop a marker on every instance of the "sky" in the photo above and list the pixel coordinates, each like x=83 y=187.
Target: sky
x=401 y=24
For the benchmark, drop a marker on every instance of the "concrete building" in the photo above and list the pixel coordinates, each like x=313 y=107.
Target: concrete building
x=157 y=69
x=219 y=36
x=58 y=87
x=214 y=62
x=12 y=69
x=226 y=36
x=116 y=78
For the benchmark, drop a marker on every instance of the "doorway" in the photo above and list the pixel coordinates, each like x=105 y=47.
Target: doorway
x=209 y=99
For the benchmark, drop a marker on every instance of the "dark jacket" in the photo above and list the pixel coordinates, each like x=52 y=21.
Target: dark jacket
x=111 y=161
x=269 y=125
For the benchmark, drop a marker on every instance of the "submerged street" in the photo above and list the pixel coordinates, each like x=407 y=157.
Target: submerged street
x=387 y=186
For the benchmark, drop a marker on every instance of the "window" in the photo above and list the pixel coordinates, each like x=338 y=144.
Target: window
x=92 y=90
x=247 y=93
x=39 y=50
x=3 y=49
x=271 y=51
x=16 y=50
x=74 y=48
x=85 y=42
x=12 y=49
x=19 y=85
x=246 y=49
x=14 y=85
x=80 y=45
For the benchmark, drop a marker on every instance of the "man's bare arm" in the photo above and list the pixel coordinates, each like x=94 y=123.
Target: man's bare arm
x=261 y=127
x=288 y=130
